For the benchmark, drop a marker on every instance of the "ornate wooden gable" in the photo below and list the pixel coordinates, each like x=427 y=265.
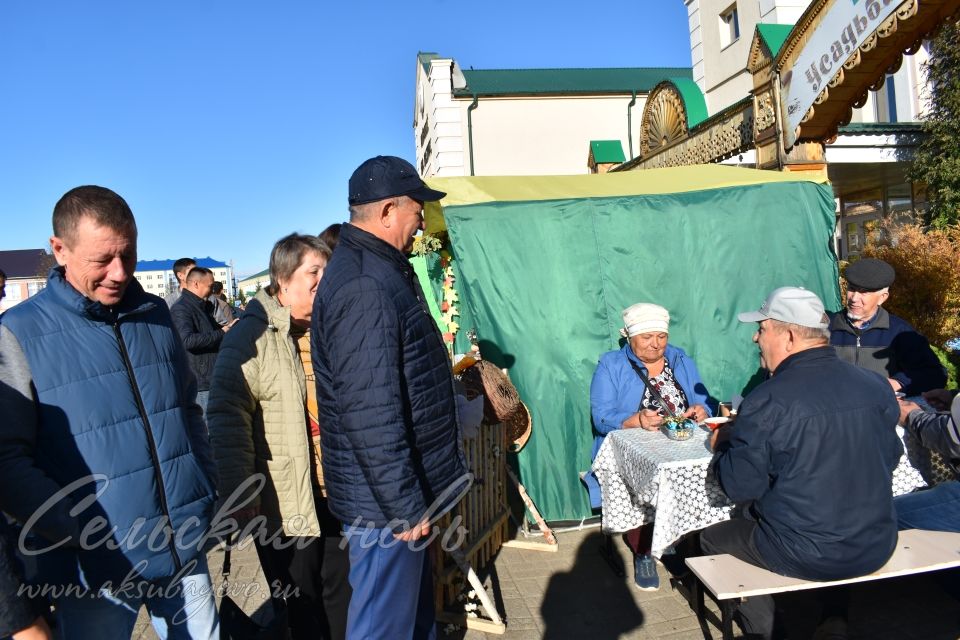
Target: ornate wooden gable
x=664 y=119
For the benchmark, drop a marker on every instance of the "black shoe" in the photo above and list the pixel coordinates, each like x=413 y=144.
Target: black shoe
x=832 y=628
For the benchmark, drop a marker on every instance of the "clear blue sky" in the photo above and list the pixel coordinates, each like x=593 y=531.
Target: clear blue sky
x=229 y=123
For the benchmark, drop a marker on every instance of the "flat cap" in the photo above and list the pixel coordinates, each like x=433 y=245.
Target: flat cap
x=869 y=274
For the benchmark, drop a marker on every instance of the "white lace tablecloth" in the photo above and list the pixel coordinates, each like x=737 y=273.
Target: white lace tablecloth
x=643 y=473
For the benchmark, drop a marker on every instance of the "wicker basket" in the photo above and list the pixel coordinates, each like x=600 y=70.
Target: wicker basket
x=501 y=404
x=518 y=427
x=501 y=399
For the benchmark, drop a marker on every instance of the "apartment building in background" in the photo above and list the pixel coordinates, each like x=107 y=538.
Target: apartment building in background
x=156 y=276
x=26 y=271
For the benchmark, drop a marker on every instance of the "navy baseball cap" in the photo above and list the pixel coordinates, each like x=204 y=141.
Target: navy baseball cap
x=388 y=177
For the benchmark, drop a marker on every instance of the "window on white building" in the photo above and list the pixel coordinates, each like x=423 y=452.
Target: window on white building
x=887 y=101
x=729 y=26
x=33 y=288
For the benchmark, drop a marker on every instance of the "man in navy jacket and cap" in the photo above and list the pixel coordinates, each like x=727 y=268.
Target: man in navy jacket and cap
x=866 y=335
x=391 y=451
x=811 y=455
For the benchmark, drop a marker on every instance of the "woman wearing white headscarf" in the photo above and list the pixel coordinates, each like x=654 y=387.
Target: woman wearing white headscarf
x=620 y=399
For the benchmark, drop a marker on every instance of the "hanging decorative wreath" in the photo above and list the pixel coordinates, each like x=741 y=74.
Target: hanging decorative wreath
x=448 y=306
x=426 y=243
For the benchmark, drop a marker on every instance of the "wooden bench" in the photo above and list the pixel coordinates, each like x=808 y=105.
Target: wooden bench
x=729 y=579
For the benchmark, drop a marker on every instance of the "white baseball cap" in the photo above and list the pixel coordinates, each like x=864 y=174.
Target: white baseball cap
x=795 y=305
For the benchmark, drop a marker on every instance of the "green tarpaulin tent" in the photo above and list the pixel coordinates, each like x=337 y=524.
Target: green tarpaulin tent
x=545 y=265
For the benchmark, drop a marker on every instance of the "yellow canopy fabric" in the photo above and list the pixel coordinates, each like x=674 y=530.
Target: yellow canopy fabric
x=468 y=190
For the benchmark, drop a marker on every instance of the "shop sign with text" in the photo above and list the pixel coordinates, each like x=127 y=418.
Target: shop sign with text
x=844 y=28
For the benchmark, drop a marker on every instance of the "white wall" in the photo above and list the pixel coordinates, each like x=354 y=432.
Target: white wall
x=782 y=11
x=915 y=81
x=696 y=42
x=436 y=109
x=725 y=79
x=719 y=68
x=546 y=136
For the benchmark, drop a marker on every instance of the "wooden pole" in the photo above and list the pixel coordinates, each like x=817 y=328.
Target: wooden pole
x=528 y=503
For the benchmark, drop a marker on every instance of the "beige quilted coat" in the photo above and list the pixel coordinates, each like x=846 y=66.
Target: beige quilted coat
x=257 y=417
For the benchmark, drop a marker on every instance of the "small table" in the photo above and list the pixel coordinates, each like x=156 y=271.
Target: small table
x=643 y=473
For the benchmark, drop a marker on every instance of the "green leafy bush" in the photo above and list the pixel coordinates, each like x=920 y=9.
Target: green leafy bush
x=937 y=158
x=926 y=292
x=950 y=361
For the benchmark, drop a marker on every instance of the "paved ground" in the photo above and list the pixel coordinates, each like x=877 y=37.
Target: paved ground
x=573 y=594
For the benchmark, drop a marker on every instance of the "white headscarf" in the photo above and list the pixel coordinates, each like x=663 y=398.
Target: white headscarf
x=644 y=317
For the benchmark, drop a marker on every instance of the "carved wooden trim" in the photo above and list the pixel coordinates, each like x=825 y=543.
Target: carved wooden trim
x=664 y=119
x=731 y=135
x=765 y=114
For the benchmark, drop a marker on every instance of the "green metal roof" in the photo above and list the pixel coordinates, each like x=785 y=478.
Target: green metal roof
x=880 y=128
x=774 y=35
x=259 y=274
x=607 y=151
x=509 y=82
x=693 y=100
x=424 y=58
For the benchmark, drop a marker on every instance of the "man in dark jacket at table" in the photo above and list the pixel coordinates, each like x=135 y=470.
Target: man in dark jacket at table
x=390 y=442
x=869 y=336
x=811 y=452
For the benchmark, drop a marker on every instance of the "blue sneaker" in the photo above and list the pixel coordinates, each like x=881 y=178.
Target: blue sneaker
x=645 y=573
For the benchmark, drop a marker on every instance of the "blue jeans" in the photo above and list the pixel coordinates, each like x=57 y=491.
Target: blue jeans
x=936 y=509
x=392 y=587
x=184 y=611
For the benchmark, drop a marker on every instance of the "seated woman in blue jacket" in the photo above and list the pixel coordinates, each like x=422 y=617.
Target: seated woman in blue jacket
x=620 y=399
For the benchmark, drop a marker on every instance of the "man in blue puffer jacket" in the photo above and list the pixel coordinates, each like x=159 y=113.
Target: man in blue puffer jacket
x=391 y=451
x=103 y=451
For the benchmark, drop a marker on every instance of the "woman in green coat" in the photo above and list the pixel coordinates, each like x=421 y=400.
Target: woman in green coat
x=263 y=425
